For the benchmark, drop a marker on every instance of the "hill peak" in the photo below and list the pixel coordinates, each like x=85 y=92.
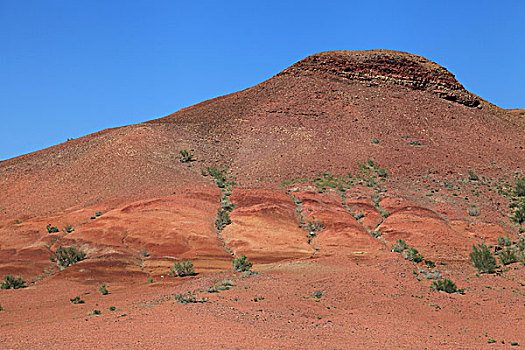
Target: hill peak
x=377 y=67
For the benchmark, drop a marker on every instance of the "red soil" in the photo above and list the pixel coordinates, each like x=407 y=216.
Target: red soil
x=315 y=117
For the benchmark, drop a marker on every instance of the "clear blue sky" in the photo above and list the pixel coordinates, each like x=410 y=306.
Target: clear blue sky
x=70 y=68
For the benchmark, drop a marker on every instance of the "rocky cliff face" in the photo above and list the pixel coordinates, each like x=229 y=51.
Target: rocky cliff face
x=387 y=67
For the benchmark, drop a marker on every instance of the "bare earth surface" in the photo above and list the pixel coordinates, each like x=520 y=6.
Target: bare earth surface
x=288 y=144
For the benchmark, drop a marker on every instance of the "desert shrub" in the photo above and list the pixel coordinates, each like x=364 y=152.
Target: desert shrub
x=189 y=297
x=446 y=285
x=375 y=140
x=518 y=214
x=182 y=268
x=473 y=211
x=358 y=215
x=112 y=308
x=507 y=257
x=381 y=172
x=412 y=254
x=519 y=190
x=483 y=259
x=400 y=246
x=242 y=264
x=318 y=294
x=185 y=156
x=144 y=253
x=69 y=229
x=103 y=290
x=51 y=229
x=504 y=241
x=430 y=264
x=226 y=204
x=98 y=213
x=314 y=225
x=12 y=282
x=95 y=312
x=220 y=176
x=223 y=219
x=68 y=256
x=76 y=300
x=150 y=280
x=472 y=176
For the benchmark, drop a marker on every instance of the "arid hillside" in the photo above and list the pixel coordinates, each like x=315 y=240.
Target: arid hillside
x=315 y=175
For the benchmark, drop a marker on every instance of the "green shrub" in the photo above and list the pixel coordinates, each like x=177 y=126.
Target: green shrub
x=68 y=256
x=76 y=300
x=220 y=176
x=69 y=229
x=12 y=282
x=314 y=225
x=223 y=219
x=182 y=268
x=518 y=214
x=430 y=264
x=150 y=280
x=483 y=259
x=144 y=253
x=185 y=156
x=412 y=254
x=473 y=211
x=51 y=229
x=400 y=246
x=375 y=140
x=98 y=213
x=507 y=257
x=242 y=264
x=504 y=241
x=95 y=312
x=520 y=187
x=446 y=285
x=112 y=308
x=189 y=297
x=472 y=176
x=103 y=290
x=318 y=294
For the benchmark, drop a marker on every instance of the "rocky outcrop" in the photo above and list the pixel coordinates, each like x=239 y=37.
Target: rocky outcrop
x=387 y=67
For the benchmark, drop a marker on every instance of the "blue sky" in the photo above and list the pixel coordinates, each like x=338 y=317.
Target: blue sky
x=70 y=68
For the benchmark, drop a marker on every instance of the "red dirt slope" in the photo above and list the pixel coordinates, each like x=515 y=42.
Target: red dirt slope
x=451 y=160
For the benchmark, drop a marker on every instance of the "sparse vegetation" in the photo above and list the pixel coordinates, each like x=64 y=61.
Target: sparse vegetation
x=144 y=253
x=51 y=229
x=318 y=294
x=446 y=285
x=185 y=156
x=76 y=300
x=518 y=214
x=483 y=259
x=313 y=226
x=68 y=229
x=519 y=189
x=189 y=297
x=223 y=219
x=507 y=257
x=68 y=256
x=103 y=290
x=94 y=312
x=182 y=268
x=473 y=211
x=12 y=282
x=472 y=176
x=412 y=254
x=400 y=246
x=242 y=264
x=504 y=241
